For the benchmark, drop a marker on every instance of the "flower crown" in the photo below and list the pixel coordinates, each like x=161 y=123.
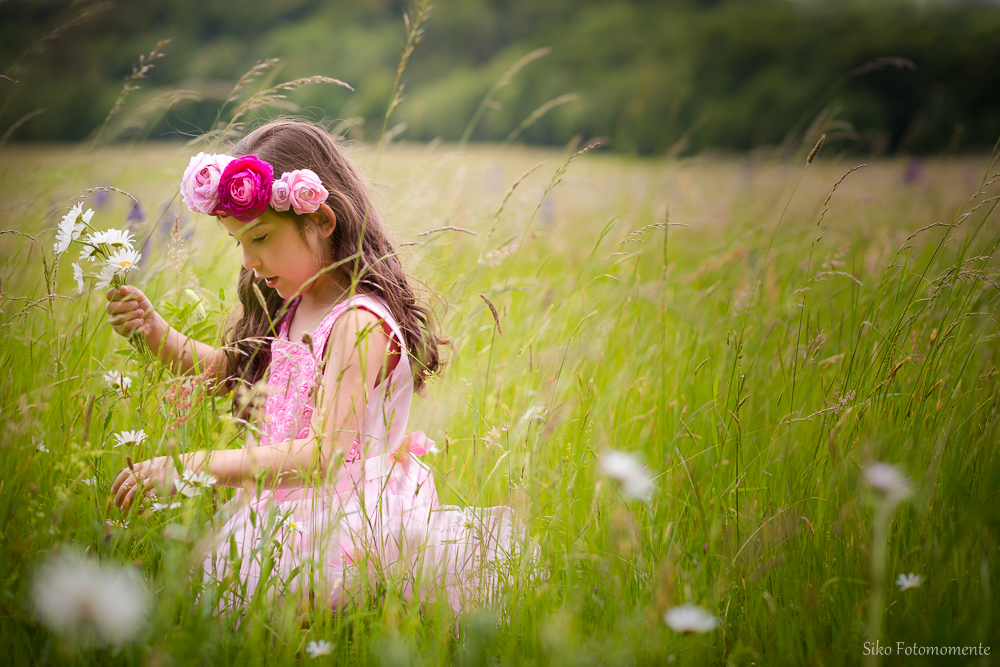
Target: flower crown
x=243 y=187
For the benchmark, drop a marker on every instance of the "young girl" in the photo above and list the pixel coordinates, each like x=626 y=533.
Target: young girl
x=331 y=490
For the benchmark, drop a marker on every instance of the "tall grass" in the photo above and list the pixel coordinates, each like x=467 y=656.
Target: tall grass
x=888 y=337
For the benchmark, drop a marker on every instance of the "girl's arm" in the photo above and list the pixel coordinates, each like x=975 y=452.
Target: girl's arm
x=357 y=353
x=180 y=353
x=129 y=309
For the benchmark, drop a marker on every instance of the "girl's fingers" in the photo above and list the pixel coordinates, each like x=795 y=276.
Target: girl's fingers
x=135 y=317
x=125 y=294
x=120 y=494
x=122 y=476
x=116 y=307
x=130 y=497
x=125 y=489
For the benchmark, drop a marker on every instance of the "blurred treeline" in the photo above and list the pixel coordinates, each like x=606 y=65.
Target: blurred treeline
x=652 y=77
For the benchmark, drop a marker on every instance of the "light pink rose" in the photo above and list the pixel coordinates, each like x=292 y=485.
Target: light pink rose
x=307 y=191
x=200 y=185
x=280 y=195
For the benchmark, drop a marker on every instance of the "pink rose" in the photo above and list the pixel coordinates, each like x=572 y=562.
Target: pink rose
x=245 y=188
x=280 y=193
x=200 y=185
x=307 y=191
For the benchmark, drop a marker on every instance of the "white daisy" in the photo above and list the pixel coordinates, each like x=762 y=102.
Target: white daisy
x=908 y=581
x=116 y=523
x=317 y=648
x=90 y=481
x=87 y=601
x=107 y=240
x=626 y=469
x=71 y=226
x=887 y=480
x=191 y=484
x=118 y=381
x=159 y=507
x=293 y=524
x=105 y=276
x=78 y=277
x=124 y=260
x=690 y=618
x=130 y=438
x=119 y=238
x=87 y=252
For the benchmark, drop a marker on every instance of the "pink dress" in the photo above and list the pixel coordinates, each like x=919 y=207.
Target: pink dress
x=375 y=522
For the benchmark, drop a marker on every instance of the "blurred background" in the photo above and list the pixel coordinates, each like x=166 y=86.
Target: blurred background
x=657 y=78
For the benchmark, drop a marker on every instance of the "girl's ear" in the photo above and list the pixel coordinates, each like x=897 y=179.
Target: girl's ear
x=325 y=220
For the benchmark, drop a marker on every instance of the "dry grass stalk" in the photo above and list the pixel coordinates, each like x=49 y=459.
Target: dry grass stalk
x=414 y=20
x=507 y=196
x=501 y=83
x=23 y=119
x=880 y=64
x=826 y=204
x=493 y=309
x=639 y=233
x=959 y=221
x=259 y=68
x=106 y=188
x=274 y=93
x=447 y=228
x=815 y=149
x=538 y=113
x=140 y=70
x=38 y=47
x=260 y=99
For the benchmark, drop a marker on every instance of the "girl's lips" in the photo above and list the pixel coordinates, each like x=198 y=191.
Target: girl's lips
x=271 y=282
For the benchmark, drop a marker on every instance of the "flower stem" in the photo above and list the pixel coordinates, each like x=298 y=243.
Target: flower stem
x=880 y=537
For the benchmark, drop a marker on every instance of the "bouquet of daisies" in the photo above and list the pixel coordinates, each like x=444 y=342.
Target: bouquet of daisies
x=113 y=247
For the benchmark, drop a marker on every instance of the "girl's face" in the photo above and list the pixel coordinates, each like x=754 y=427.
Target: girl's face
x=275 y=250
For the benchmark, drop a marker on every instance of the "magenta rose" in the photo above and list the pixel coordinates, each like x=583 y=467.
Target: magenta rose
x=307 y=191
x=200 y=185
x=245 y=188
x=280 y=195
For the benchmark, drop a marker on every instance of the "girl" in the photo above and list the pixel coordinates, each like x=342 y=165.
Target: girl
x=330 y=328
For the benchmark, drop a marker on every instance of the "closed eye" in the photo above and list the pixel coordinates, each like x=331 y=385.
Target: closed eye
x=260 y=239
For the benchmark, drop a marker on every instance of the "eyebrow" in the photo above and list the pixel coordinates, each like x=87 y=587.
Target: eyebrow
x=247 y=227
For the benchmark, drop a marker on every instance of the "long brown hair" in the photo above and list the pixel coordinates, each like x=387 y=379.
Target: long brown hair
x=289 y=145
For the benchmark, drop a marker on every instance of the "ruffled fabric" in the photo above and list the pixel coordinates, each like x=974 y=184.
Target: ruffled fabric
x=375 y=521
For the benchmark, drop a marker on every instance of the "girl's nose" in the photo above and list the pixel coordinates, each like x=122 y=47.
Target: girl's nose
x=249 y=259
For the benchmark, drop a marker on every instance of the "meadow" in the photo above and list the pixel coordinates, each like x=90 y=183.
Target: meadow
x=756 y=337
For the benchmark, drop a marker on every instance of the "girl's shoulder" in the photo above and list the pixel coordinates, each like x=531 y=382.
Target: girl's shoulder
x=372 y=304
x=380 y=315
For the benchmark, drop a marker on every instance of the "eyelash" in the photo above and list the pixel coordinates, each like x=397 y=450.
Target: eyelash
x=259 y=239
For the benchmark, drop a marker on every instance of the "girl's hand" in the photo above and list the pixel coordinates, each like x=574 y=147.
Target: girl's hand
x=153 y=476
x=129 y=309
